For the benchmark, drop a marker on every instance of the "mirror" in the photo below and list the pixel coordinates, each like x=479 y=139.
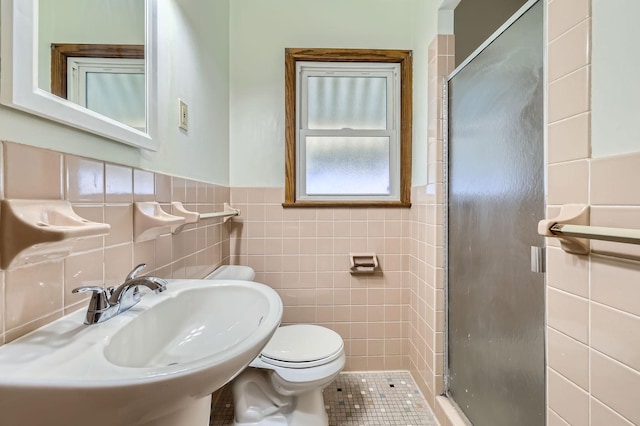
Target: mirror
x=59 y=63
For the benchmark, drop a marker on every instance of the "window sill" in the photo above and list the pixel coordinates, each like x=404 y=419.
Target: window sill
x=322 y=204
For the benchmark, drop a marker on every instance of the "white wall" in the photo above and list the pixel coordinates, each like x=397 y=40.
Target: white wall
x=261 y=30
x=193 y=65
x=615 y=97
x=425 y=27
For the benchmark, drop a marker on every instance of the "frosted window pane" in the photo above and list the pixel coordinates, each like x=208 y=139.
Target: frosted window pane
x=347 y=102
x=347 y=166
x=120 y=96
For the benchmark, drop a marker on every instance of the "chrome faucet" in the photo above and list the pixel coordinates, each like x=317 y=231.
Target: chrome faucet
x=105 y=304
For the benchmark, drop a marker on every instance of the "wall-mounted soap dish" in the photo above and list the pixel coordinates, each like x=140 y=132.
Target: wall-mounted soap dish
x=177 y=209
x=35 y=230
x=150 y=221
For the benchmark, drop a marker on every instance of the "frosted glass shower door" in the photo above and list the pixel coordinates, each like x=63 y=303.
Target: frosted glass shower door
x=496 y=197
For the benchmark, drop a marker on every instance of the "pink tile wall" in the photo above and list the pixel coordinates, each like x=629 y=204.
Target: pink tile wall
x=36 y=294
x=593 y=302
x=303 y=253
x=426 y=266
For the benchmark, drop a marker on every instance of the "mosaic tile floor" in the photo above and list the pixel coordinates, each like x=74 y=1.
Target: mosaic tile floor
x=357 y=399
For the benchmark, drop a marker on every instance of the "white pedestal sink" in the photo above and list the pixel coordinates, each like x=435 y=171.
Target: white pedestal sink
x=154 y=365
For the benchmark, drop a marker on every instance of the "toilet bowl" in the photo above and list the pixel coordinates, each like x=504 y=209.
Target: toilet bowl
x=283 y=385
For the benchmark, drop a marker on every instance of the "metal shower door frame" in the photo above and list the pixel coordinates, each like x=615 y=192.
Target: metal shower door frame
x=445 y=153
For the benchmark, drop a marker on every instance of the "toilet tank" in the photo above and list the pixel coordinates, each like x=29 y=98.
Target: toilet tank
x=232 y=272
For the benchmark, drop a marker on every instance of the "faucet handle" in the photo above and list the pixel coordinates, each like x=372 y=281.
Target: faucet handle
x=135 y=271
x=99 y=300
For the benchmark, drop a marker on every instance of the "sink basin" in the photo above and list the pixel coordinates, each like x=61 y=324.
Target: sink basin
x=156 y=364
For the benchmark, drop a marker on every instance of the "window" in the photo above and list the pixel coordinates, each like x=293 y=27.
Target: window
x=348 y=127
x=114 y=87
x=82 y=74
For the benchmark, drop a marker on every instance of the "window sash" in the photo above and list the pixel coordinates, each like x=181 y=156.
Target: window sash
x=394 y=165
x=389 y=71
x=78 y=67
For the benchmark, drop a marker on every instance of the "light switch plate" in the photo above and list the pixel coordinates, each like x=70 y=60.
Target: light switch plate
x=183 y=118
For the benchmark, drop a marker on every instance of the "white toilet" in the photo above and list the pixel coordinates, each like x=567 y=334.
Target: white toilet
x=283 y=385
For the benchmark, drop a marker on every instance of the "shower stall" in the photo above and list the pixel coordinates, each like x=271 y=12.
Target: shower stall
x=495 y=370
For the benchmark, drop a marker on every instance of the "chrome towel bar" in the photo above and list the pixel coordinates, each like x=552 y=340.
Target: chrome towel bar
x=618 y=235
x=572 y=227
x=227 y=213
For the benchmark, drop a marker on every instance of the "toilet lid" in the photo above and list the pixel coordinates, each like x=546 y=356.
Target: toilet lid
x=303 y=344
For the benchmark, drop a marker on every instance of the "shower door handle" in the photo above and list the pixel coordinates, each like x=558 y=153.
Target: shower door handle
x=537 y=260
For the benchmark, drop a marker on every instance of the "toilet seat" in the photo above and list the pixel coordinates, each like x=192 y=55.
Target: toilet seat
x=302 y=375
x=302 y=346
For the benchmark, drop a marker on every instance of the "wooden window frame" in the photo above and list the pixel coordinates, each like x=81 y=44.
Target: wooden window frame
x=61 y=51
x=405 y=59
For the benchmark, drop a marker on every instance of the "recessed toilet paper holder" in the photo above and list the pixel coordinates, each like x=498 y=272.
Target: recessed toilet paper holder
x=363 y=263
